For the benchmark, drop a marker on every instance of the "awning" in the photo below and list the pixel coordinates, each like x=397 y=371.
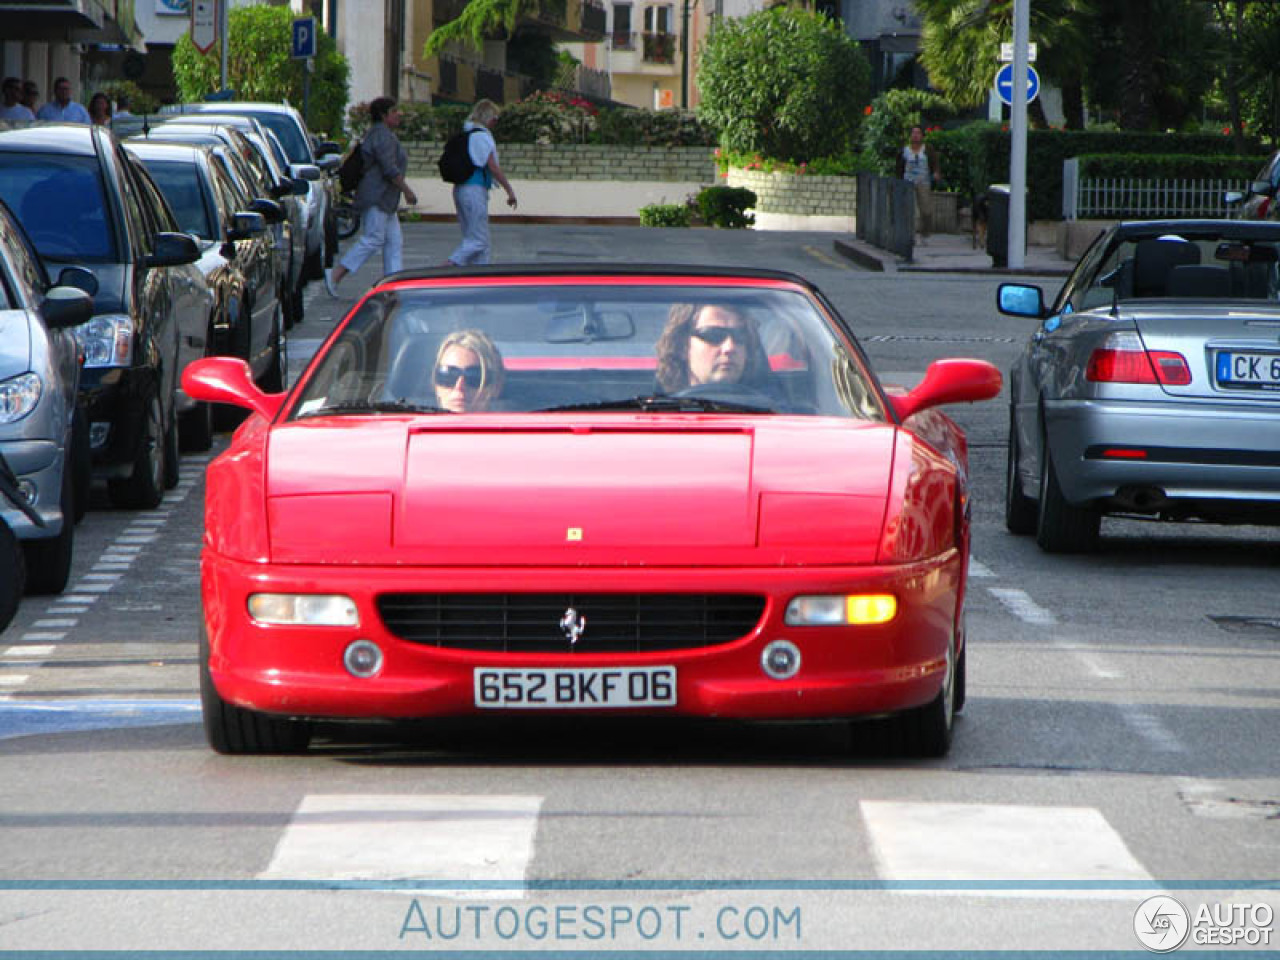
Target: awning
x=69 y=21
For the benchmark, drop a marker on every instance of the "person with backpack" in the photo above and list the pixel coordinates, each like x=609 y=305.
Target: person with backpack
x=471 y=195
x=377 y=197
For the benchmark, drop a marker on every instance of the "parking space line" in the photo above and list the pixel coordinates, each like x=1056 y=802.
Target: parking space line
x=1020 y=604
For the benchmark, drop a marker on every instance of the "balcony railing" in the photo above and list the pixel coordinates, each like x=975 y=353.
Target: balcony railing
x=659 y=47
x=622 y=40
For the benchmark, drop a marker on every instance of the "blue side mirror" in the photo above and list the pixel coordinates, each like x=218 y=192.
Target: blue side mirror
x=1020 y=300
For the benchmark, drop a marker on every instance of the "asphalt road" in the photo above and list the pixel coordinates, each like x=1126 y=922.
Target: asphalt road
x=1119 y=742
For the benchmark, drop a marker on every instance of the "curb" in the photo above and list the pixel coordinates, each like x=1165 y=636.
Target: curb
x=863 y=258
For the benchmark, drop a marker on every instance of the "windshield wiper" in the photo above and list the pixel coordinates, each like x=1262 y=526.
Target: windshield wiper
x=373 y=406
x=663 y=403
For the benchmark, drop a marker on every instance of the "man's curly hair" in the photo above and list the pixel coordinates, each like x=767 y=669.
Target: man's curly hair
x=673 y=347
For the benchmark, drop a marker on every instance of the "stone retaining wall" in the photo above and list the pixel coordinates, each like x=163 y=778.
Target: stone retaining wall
x=786 y=193
x=533 y=161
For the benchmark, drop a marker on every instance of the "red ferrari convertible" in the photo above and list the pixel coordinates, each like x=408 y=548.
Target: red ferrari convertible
x=647 y=490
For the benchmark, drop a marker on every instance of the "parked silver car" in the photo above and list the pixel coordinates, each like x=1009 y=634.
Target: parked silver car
x=42 y=436
x=1151 y=387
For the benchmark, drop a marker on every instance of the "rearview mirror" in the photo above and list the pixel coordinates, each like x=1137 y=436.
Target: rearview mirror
x=228 y=380
x=305 y=171
x=271 y=211
x=1020 y=300
x=1262 y=188
x=949 y=381
x=246 y=224
x=79 y=277
x=589 y=326
x=173 y=250
x=66 y=307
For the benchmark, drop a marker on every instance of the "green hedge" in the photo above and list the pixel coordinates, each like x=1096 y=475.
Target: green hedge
x=1099 y=166
x=977 y=155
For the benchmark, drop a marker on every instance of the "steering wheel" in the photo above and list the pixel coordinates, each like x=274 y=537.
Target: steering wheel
x=732 y=393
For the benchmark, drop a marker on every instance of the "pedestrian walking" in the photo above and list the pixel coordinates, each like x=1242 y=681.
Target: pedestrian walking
x=100 y=109
x=377 y=196
x=918 y=164
x=13 y=110
x=471 y=197
x=62 y=107
x=31 y=96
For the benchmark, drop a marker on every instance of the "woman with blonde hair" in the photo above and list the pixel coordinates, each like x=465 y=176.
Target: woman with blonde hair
x=469 y=373
x=707 y=344
x=471 y=197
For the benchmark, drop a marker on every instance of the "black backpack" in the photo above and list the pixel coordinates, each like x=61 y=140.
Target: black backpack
x=351 y=169
x=455 y=163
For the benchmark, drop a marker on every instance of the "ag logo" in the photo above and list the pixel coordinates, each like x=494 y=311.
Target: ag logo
x=1161 y=923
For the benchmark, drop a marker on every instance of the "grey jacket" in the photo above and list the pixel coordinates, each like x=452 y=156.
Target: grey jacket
x=384 y=160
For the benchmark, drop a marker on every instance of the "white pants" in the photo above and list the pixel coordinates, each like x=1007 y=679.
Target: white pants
x=472 y=203
x=377 y=229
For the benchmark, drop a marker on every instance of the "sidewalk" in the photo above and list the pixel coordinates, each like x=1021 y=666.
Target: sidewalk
x=950 y=253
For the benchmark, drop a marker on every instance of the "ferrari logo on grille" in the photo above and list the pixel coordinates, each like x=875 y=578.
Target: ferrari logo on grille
x=573 y=533
x=573 y=624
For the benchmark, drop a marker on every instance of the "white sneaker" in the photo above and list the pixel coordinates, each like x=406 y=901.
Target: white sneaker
x=330 y=287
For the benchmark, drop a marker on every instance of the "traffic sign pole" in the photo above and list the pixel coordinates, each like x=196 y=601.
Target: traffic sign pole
x=1018 y=138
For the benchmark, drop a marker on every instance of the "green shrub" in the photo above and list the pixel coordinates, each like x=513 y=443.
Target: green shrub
x=784 y=82
x=726 y=207
x=654 y=128
x=666 y=215
x=140 y=102
x=890 y=118
x=259 y=67
x=1169 y=166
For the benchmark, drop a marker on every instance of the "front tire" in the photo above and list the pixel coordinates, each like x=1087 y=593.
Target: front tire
x=12 y=574
x=235 y=731
x=924 y=732
x=144 y=487
x=48 y=560
x=1062 y=527
x=1019 y=509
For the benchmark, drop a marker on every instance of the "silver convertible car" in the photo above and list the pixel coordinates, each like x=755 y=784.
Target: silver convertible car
x=1151 y=387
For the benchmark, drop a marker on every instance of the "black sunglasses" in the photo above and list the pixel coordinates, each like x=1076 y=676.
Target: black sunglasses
x=716 y=335
x=447 y=376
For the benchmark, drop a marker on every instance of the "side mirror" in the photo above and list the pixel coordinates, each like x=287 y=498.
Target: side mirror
x=66 y=307
x=85 y=280
x=299 y=187
x=228 y=380
x=327 y=147
x=173 y=250
x=270 y=211
x=246 y=224
x=949 y=381
x=305 y=171
x=1020 y=300
x=329 y=162
x=1232 y=197
x=1262 y=188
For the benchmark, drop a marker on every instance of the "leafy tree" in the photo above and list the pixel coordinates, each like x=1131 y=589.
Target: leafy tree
x=259 y=66
x=1260 y=82
x=892 y=115
x=785 y=83
x=479 y=19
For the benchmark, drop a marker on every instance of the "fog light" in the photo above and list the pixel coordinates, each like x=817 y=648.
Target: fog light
x=98 y=433
x=362 y=658
x=28 y=490
x=781 y=660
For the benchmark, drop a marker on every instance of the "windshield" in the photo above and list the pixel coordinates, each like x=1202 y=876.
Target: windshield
x=626 y=348
x=61 y=202
x=181 y=186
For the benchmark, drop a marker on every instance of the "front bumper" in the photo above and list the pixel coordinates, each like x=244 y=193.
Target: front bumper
x=1195 y=451
x=116 y=397
x=38 y=462
x=845 y=671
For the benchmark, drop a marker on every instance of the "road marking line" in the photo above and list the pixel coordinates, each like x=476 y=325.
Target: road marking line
x=1151 y=728
x=136 y=539
x=1023 y=607
x=819 y=255
x=123 y=548
x=13 y=679
x=98 y=567
x=45 y=624
x=148 y=521
x=978 y=569
x=95 y=587
x=398 y=837
x=72 y=599
x=44 y=635
x=102 y=576
x=978 y=843
x=29 y=650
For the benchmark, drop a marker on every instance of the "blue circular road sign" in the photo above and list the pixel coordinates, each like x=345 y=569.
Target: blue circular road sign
x=1004 y=83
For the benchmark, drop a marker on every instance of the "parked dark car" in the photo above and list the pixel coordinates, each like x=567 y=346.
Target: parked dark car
x=304 y=151
x=261 y=176
x=43 y=436
x=237 y=259
x=1259 y=201
x=85 y=201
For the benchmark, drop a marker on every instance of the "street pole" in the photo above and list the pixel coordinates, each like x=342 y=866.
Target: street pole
x=1018 y=137
x=223 y=20
x=684 y=56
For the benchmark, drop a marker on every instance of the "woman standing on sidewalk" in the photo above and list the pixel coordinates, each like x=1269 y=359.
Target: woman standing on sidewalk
x=378 y=196
x=918 y=164
x=471 y=198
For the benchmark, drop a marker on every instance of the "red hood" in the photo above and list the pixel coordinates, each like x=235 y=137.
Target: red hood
x=601 y=490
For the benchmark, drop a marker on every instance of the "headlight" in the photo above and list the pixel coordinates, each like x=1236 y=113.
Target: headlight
x=107 y=341
x=19 y=396
x=306 y=609
x=840 y=611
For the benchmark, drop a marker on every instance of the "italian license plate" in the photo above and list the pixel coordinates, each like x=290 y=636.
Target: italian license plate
x=575 y=687
x=1248 y=371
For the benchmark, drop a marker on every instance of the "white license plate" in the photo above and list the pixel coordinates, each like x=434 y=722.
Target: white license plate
x=1255 y=371
x=575 y=687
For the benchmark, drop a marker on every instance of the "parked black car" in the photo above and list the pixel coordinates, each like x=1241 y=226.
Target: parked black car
x=237 y=258
x=84 y=201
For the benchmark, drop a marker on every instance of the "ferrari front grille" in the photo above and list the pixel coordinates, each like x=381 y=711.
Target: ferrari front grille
x=566 y=622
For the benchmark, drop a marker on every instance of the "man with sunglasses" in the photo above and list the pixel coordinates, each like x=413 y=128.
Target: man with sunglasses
x=709 y=344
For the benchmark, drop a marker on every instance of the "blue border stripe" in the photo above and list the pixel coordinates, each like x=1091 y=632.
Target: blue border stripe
x=429 y=884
